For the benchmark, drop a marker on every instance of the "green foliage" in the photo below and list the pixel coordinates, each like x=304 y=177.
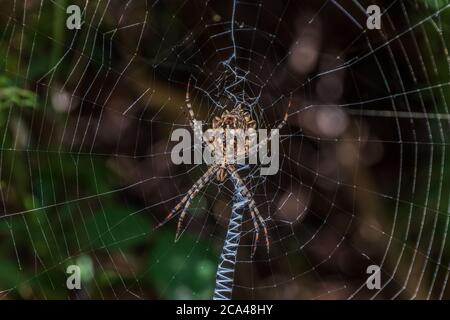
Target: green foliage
x=182 y=270
x=55 y=228
x=436 y=4
x=12 y=96
x=10 y=275
x=116 y=227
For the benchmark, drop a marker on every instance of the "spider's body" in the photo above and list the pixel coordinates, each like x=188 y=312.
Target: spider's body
x=239 y=120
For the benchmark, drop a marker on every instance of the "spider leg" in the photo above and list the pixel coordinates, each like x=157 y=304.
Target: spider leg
x=272 y=133
x=191 y=193
x=182 y=215
x=254 y=212
x=197 y=131
x=188 y=101
x=286 y=115
x=198 y=185
x=192 y=119
x=253 y=207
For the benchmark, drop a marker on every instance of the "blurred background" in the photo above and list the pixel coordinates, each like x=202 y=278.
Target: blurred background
x=85 y=170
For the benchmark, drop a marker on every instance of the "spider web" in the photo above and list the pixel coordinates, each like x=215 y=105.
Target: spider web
x=85 y=164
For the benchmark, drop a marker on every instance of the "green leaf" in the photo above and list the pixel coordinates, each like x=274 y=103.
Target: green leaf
x=182 y=270
x=10 y=275
x=11 y=95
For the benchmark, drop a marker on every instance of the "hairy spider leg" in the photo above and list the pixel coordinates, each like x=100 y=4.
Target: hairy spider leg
x=286 y=115
x=254 y=212
x=280 y=125
x=183 y=214
x=198 y=185
x=252 y=205
x=196 y=130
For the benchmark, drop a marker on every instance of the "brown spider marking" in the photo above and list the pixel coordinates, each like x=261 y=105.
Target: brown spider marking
x=236 y=118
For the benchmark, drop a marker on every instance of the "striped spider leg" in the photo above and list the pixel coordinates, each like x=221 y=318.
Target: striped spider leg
x=200 y=183
x=237 y=118
x=246 y=193
x=197 y=131
x=254 y=212
x=272 y=133
x=186 y=201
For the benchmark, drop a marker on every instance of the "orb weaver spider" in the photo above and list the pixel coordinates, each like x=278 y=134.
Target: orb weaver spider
x=236 y=118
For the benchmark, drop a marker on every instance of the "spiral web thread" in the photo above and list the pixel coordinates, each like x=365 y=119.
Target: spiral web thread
x=227 y=262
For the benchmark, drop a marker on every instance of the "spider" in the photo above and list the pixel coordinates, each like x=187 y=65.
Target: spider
x=236 y=118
